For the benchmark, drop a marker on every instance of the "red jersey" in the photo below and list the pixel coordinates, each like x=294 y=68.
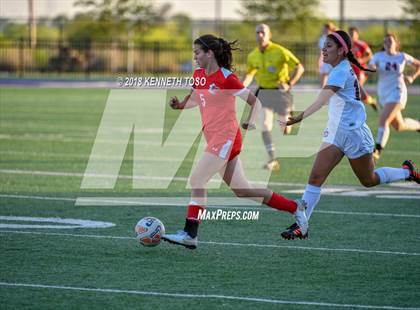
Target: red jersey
x=216 y=96
x=359 y=49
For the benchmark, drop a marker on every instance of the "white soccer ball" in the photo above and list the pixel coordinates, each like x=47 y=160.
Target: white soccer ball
x=149 y=231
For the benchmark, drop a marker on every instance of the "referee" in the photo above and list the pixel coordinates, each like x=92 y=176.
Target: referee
x=271 y=63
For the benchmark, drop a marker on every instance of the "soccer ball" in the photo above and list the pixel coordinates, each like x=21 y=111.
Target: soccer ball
x=149 y=231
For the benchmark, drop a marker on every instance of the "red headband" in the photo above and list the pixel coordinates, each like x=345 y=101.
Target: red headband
x=341 y=40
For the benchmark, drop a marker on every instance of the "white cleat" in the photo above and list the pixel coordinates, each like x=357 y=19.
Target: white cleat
x=300 y=216
x=181 y=238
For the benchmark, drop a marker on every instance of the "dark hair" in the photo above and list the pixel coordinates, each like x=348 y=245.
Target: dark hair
x=350 y=56
x=354 y=29
x=221 y=48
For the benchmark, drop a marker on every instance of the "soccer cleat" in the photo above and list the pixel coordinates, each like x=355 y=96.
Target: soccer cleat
x=300 y=216
x=300 y=228
x=181 y=238
x=414 y=173
x=293 y=232
x=272 y=165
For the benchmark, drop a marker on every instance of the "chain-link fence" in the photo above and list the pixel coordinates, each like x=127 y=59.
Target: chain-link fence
x=107 y=59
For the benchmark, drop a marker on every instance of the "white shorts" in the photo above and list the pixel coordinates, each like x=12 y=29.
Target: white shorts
x=325 y=68
x=397 y=94
x=353 y=143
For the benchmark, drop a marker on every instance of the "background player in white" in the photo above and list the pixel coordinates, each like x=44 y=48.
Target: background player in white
x=392 y=91
x=347 y=133
x=324 y=68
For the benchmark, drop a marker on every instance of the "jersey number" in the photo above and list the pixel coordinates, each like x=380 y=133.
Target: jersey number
x=356 y=89
x=391 y=65
x=203 y=101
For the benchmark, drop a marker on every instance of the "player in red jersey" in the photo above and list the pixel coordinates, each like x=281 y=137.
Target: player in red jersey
x=363 y=54
x=214 y=92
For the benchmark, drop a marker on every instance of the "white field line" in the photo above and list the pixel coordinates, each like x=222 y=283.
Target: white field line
x=62 y=138
x=169 y=159
x=397 y=197
x=127 y=201
x=87 y=156
x=202 y=296
x=230 y=244
x=325 y=190
x=74 y=223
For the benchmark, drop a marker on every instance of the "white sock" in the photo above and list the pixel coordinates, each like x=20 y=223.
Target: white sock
x=411 y=124
x=311 y=197
x=382 y=136
x=389 y=175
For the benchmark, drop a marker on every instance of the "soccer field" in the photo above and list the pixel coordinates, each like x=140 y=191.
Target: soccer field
x=363 y=251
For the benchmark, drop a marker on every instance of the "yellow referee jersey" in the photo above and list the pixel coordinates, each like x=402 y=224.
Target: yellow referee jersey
x=271 y=66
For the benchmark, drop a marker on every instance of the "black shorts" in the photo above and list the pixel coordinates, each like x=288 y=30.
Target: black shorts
x=281 y=102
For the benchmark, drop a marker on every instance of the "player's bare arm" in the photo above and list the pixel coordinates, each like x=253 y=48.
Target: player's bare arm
x=248 y=78
x=411 y=78
x=297 y=74
x=367 y=56
x=326 y=93
x=255 y=104
x=188 y=102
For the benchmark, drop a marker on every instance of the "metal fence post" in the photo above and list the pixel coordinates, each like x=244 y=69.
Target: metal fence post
x=156 y=52
x=88 y=54
x=21 y=58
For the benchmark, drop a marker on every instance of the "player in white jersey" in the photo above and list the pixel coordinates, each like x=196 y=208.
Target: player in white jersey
x=347 y=133
x=392 y=91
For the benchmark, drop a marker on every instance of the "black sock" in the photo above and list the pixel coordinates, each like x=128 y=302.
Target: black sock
x=191 y=227
x=268 y=142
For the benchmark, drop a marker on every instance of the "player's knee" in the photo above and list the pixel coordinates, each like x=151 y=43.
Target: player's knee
x=267 y=126
x=368 y=182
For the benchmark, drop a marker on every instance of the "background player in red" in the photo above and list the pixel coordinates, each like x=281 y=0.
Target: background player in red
x=363 y=54
x=216 y=101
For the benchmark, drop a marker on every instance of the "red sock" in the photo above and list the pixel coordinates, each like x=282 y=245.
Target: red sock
x=282 y=203
x=193 y=211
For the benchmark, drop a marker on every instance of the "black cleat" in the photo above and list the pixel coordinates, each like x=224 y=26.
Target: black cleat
x=414 y=173
x=294 y=232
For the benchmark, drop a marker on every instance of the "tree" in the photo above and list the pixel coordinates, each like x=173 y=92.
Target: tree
x=118 y=17
x=280 y=12
x=411 y=9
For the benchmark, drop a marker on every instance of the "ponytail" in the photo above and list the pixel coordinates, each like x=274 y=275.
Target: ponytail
x=221 y=48
x=353 y=60
x=341 y=37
